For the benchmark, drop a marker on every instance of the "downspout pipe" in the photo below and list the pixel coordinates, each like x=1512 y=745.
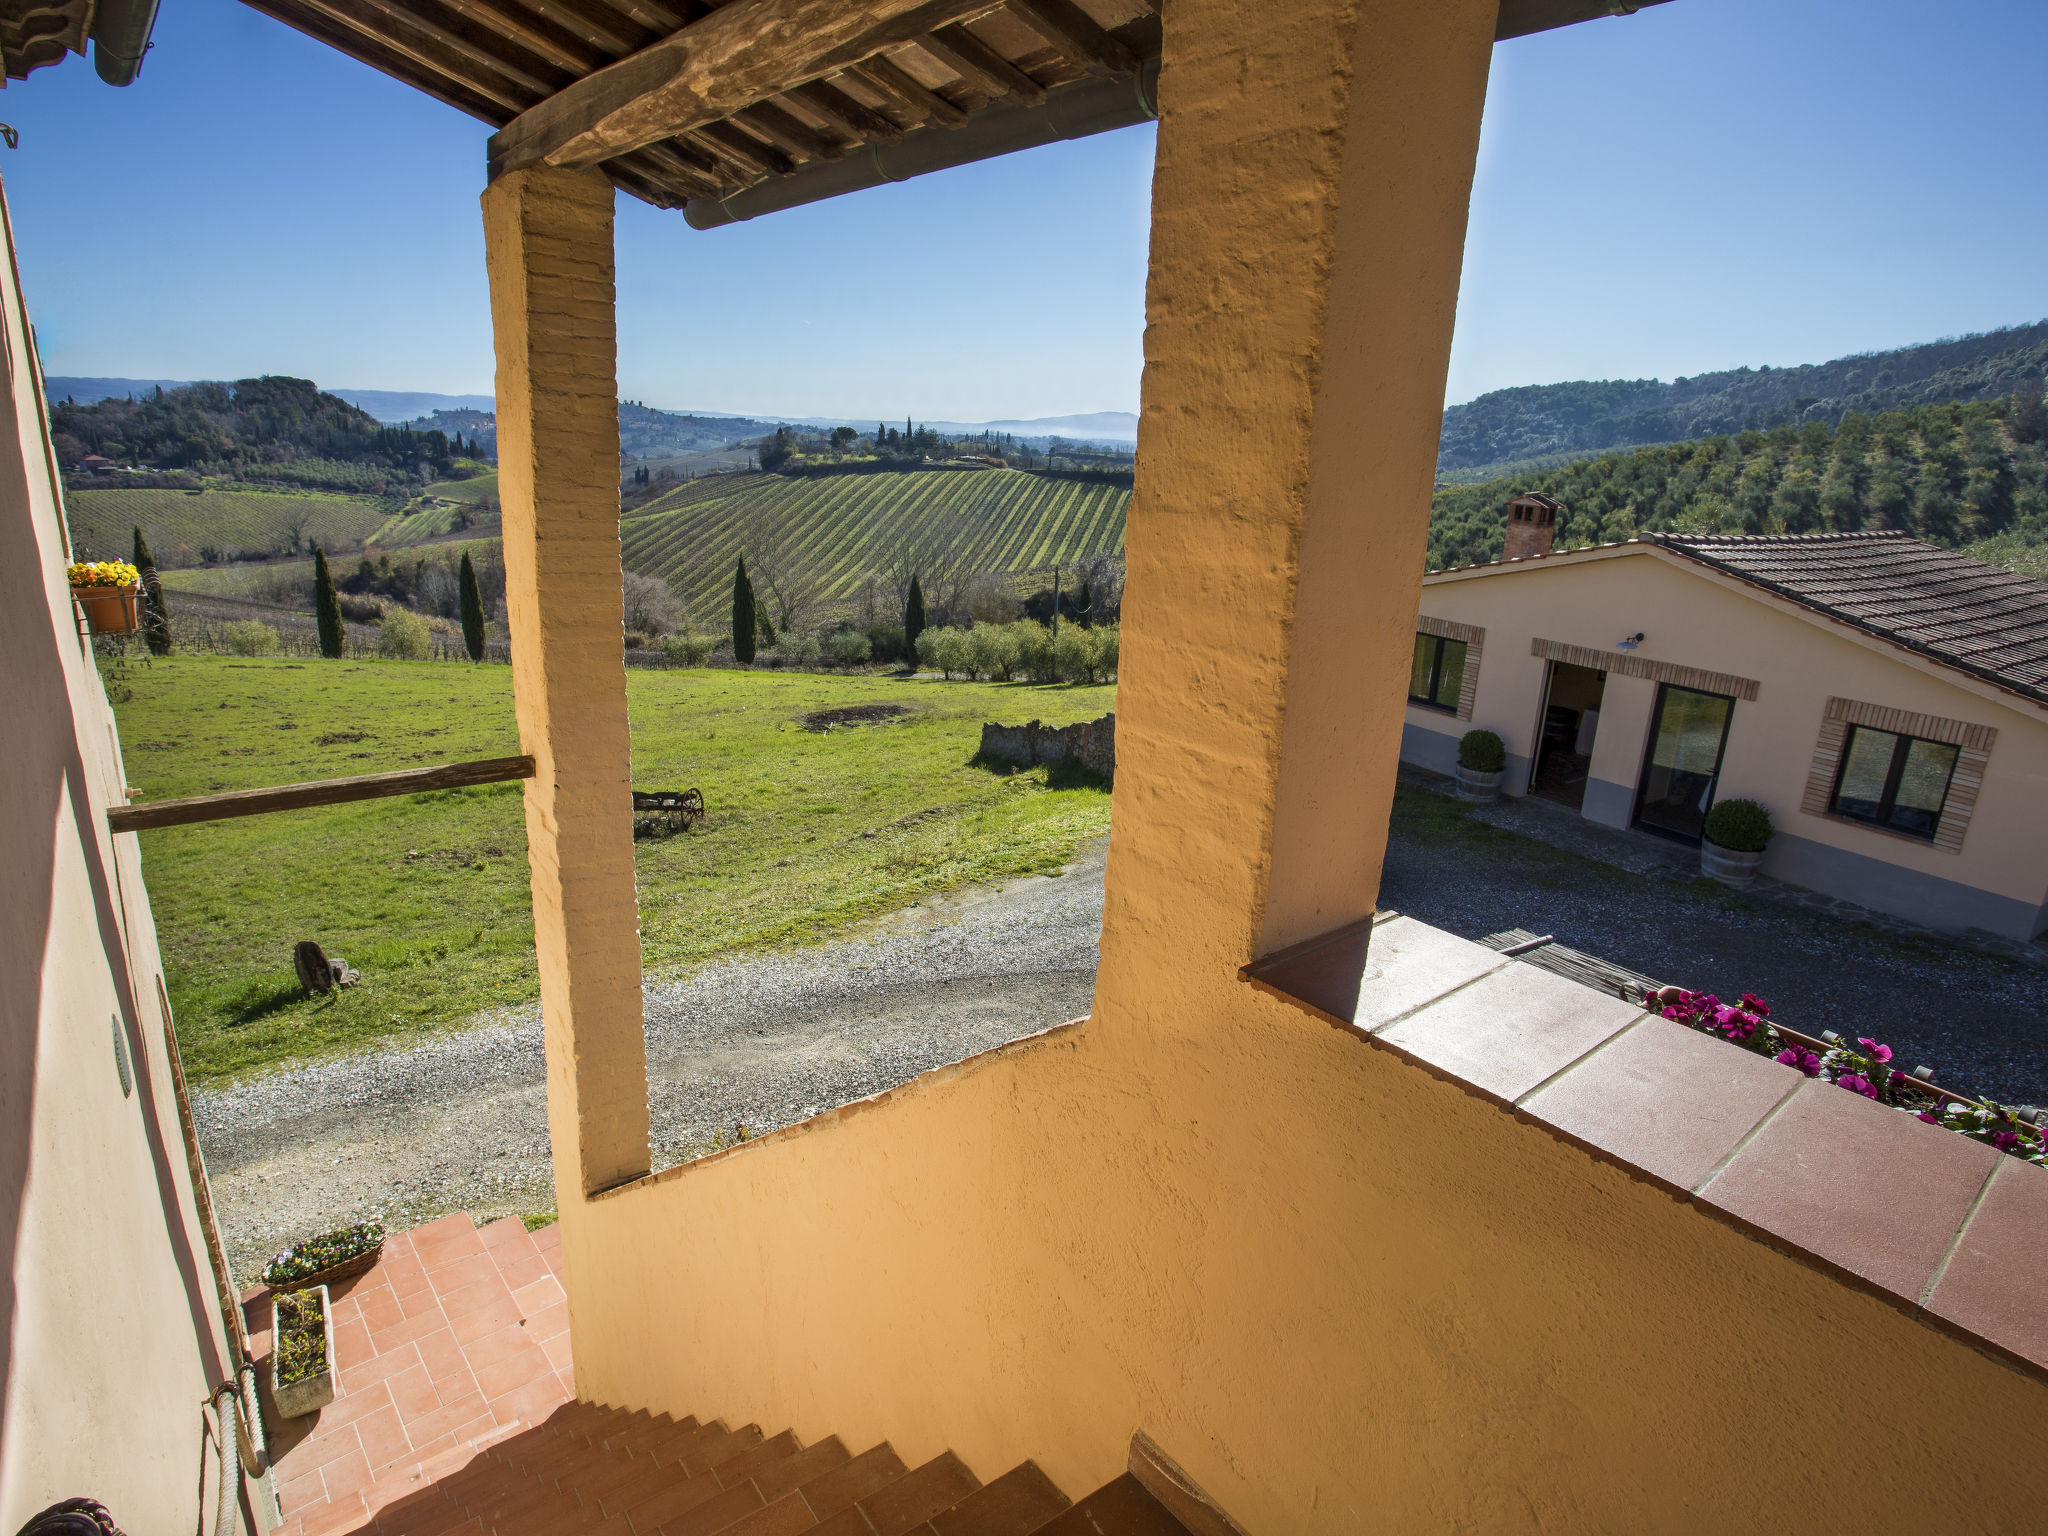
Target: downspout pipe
x=120 y=37
x=1072 y=111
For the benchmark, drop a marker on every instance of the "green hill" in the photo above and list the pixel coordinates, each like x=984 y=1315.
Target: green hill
x=1951 y=474
x=849 y=526
x=1592 y=415
x=251 y=524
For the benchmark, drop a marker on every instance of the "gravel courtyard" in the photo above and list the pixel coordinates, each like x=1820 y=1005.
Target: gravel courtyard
x=460 y=1122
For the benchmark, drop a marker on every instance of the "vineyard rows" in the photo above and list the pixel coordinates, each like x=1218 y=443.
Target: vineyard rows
x=847 y=527
x=178 y=523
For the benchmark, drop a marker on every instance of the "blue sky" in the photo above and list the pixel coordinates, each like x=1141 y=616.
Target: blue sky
x=1706 y=184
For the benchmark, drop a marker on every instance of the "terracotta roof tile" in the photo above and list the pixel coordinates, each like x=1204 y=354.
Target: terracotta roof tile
x=1980 y=618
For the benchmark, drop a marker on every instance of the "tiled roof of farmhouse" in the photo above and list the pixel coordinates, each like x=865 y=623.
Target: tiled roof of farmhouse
x=1980 y=618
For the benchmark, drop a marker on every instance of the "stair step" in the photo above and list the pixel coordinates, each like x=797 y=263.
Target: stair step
x=663 y=1505
x=713 y=1454
x=1118 y=1508
x=787 y=1516
x=768 y=1453
x=1015 y=1504
x=713 y=1515
x=791 y=1473
x=914 y=1498
x=840 y=1490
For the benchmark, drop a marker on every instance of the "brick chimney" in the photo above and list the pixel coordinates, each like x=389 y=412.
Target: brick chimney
x=1532 y=524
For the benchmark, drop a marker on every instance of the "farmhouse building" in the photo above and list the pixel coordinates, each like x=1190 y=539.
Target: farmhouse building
x=1886 y=700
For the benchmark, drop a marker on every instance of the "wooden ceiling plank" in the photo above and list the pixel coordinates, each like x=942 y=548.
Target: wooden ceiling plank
x=377 y=28
x=766 y=157
x=550 y=40
x=378 y=54
x=733 y=168
x=788 y=132
x=468 y=48
x=885 y=74
x=742 y=53
x=846 y=114
x=1076 y=34
x=651 y=14
x=601 y=27
x=677 y=171
x=982 y=65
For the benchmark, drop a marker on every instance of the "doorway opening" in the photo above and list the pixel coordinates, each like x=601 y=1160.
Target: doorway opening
x=1564 y=744
x=1688 y=734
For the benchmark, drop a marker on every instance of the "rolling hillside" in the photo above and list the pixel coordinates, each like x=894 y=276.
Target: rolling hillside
x=250 y=524
x=853 y=526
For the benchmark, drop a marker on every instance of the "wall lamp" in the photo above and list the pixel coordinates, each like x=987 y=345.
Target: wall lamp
x=1630 y=643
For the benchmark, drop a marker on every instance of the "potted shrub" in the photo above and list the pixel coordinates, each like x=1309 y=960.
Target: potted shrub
x=301 y=1352
x=109 y=594
x=327 y=1259
x=1738 y=831
x=1482 y=764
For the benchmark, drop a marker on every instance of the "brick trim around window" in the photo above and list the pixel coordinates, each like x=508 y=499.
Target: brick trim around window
x=1973 y=742
x=1474 y=637
x=1642 y=666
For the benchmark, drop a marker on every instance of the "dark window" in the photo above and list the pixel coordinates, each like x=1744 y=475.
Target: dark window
x=1894 y=781
x=1439 y=672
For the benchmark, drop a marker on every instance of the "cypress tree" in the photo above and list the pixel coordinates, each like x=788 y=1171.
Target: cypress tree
x=156 y=617
x=913 y=616
x=743 y=610
x=472 y=610
x=326 y=606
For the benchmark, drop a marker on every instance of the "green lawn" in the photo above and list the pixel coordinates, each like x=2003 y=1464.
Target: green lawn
x=428 y=894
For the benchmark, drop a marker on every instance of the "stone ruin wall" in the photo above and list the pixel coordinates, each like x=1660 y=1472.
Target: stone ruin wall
x=1090 y=745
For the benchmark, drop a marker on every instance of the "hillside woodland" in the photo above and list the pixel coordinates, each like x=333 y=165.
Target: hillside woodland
x=1952 y=474
x=273 y=430
x=1589 y=415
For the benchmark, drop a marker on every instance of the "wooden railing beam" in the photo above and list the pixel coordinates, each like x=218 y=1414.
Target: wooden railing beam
x=294 y=797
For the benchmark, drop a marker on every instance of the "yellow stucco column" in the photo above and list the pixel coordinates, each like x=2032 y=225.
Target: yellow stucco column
x=548 y=244
x=1308 y=222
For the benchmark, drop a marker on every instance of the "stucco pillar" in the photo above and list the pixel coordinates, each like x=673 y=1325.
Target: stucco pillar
x=1308 y=222
x=548 y=244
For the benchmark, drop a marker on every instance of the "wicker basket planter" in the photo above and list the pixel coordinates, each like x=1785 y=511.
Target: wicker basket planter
x=308 y=1393
x=110 y=610
x=334 y=1274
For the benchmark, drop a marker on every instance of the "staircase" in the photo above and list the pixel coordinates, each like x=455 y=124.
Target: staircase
x=629 y=1474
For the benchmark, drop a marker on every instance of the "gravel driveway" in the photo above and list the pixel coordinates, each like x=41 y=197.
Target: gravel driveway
x=460 y=1123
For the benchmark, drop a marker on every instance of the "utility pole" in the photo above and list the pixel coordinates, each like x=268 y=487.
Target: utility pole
x=1055 y=605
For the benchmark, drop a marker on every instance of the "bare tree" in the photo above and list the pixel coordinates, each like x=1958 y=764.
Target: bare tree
x=937 y=557
x=651 y=607
x=1103 y=571
x=990 y=597
x=778 y=566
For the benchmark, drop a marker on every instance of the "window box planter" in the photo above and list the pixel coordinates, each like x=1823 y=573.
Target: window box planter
x=294 y=1334
x=110 y=610
x=1728 y=865
x=1474 y=785
x=327 y=1259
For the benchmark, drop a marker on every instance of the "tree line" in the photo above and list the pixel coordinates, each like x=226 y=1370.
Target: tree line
x=1950 y=474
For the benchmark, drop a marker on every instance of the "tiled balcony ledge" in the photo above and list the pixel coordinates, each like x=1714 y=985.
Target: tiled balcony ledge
x=1947 y=1229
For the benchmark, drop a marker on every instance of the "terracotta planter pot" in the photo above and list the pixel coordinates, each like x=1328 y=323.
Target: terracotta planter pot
x=1474 y=785
x=1726 y=864
x=110 y=610
x=308 y=1393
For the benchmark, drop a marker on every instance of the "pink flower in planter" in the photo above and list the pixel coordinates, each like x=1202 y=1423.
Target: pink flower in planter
x=2005 y=1141
x=1856 y=1083
x=1800 y=1057
x=1755 y=1005
x=1877 y=1052
x=1923 y=1115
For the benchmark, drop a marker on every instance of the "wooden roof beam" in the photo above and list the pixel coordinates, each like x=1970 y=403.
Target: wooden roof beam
x=967 y=55
x=788 y=133
x=891 y=78
x=740 y=54
x=502 y=91
x=763 y=159
x=846 y=114
x=431 y=78
x=1076 y=34
x=465 y=47
x=547 y=39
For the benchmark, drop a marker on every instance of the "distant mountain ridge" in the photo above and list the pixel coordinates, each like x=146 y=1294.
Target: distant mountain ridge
x=1590 y=416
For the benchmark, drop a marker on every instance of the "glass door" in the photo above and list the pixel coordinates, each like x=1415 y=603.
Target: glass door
x=1687 y=736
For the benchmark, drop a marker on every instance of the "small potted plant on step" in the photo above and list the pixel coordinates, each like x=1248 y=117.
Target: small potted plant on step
x=1482 y=764
x=109 y=594
x=301 y=1352
x=1737 y=831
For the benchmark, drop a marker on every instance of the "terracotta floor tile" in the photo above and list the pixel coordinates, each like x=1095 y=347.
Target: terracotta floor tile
x=557 y=1351
x=459 y=1274
x=413 y=1394
x=357 y=1401
x=352 y=1345
x=1788 y=1183
x=493 y=1347
x=383 y=1366
x=407 y=1332
x=335 y=1517
x=442 y=1353
x=443 y=1421
x=513 y=1372
x=526 y=1269
x=480 y=1293
x=506 y=1232
x=549 y=1238
x=1509 y=1030
x=347 y=1474
x=485 y=1319
x=404 y=1274
x=1996 y=1283
x=322 y=1446
x=301 y=1491
x=383 y=1436
x=446 y=1229
x=380 y=1309
x=542 y=1291
x=548 y=1321
x=1403 y=965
